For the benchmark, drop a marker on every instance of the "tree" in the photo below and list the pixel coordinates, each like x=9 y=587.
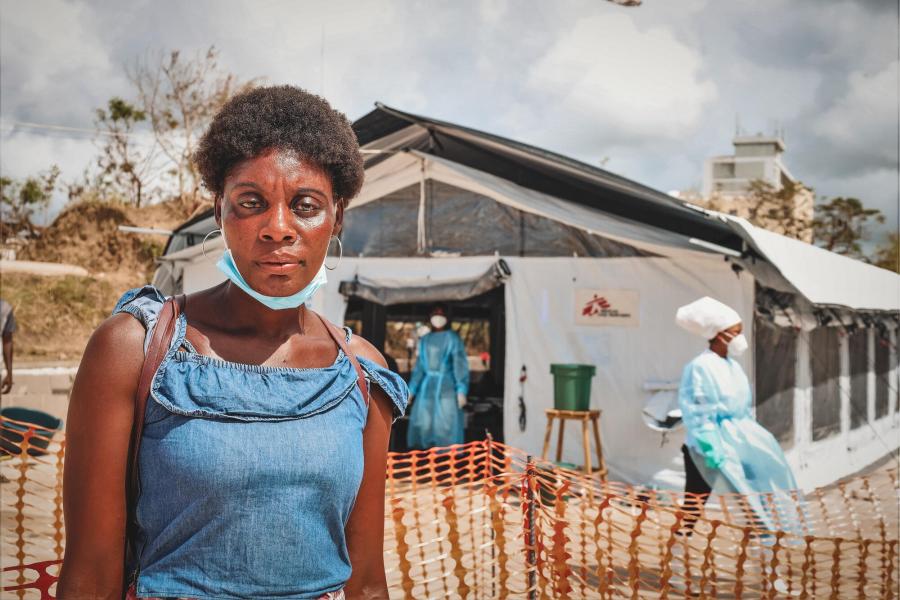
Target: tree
x=124 y=168
x=887 y=256
x=786 y=210
x=180 y=96
x=19 y=200
x=780 y=210
x=840 y=225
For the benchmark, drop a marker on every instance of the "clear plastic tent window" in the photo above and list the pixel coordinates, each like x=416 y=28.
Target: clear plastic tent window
x=825 y=364
x=859 y=377
x=386 y=227
x=463 y=223
x=883 y=389
x=776 y=366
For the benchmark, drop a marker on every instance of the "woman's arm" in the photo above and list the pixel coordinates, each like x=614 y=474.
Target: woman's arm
x=365 y=529
x=98 y=431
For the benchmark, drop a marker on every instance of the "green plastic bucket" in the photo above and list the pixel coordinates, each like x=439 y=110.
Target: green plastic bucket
x=572 y=386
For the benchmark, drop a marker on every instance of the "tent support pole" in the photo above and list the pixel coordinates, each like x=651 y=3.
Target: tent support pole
x=420 y=237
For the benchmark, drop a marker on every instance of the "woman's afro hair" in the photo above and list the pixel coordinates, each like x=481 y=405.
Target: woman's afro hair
x=286 y=118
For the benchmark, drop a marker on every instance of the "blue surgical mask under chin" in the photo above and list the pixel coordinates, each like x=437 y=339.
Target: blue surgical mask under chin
x=229 y=268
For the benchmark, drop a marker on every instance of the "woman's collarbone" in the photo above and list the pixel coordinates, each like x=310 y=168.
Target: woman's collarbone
x=294 y=351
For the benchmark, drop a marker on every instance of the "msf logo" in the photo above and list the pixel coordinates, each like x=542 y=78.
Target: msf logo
x=598 y=306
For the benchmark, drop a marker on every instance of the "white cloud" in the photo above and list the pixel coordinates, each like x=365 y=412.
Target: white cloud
x=26 y=154
x=351 y=53
x=622 y=81
x=655 y=88
x=859 y=123
x=53 y=63
x=493 y=11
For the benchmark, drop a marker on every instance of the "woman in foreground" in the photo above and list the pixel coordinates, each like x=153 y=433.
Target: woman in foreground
x=261 y=467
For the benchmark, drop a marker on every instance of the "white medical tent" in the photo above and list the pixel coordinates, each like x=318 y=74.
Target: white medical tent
x=589 y=267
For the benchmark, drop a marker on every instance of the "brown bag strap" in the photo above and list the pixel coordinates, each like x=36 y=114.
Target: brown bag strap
x=338 y=335
x=156 y=352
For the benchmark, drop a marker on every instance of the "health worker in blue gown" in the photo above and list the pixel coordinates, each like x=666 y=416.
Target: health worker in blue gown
x=439 y=385
x=726 y=450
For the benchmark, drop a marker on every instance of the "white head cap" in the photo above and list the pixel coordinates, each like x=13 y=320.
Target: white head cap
x=706 y=317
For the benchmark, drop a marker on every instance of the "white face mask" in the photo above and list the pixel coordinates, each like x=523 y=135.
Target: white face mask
x=229 y=268
x=438 y=321
x=738 y=345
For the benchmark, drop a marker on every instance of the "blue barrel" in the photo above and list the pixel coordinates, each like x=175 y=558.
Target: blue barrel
x=12 y=434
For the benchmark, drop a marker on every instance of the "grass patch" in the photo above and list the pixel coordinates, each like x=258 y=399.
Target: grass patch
x=56 y=315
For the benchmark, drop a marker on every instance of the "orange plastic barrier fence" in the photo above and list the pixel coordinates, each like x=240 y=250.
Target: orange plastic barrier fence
x=483 y=520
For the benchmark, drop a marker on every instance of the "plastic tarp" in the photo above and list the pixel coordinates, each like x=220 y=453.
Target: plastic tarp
x=858 y=353
x=461 y=222
x=190 y=269
x=191 y=232
x=394 y=278
x=776 y=369
x=825 y=367
x=387 y=227
x=884 y=391
x=824 y=278
x=390 y=130
x=543 y=329
x=432 y=290
x=405 y=169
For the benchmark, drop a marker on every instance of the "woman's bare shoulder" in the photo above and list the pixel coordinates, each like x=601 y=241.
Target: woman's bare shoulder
x=117 y=333
x=364 y=348
x=113 y=356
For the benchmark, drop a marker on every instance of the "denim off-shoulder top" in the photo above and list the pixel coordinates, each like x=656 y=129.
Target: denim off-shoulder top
x=248 y=473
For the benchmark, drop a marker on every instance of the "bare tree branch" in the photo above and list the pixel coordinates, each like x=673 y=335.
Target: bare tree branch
x=180 y=96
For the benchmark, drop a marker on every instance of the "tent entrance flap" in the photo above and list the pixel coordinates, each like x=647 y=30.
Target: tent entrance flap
x=480 y=323
x=426 y=290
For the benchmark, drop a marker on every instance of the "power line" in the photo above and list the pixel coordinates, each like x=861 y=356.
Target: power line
x=63 y=128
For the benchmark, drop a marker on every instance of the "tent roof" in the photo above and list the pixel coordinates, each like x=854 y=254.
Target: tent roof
x=195 y=226
x=402 y=169
x=824 y=278
x=389 y=129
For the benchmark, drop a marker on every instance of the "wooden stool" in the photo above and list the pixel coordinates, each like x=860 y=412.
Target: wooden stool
x=578 y=415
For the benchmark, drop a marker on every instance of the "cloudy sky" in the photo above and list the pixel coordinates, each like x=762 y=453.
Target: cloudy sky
x=648 y=91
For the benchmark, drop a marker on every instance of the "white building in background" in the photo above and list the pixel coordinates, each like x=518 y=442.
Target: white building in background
x=727 y=180
x=755 y=157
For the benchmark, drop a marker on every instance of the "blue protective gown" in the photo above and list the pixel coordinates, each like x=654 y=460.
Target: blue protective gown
x=732 y=451
x=441 y=372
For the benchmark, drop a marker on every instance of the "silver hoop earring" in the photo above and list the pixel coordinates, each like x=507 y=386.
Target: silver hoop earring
x=206 y=237
x=340 y=253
